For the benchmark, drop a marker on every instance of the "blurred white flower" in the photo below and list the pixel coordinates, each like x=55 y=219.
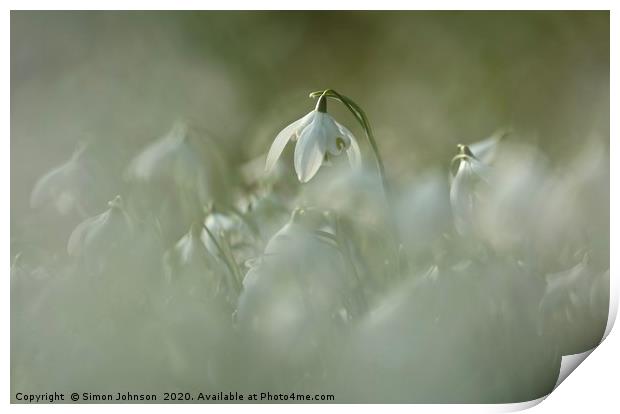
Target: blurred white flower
x=486 y=150
x=191 y=265
x=218 y=223
x=189 y=251
x=64 y=185
x=230 y=231
x=472 y=168
x=98 y=236
x=318 y=136
x=464 y=195
x=190 y=160
x=307 y=232
x=575 y=306
x=292 y=296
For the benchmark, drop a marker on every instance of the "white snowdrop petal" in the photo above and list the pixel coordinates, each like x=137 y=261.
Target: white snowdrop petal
x=309 y=151
x=305 y=121
x=49 y=184
x=480 y=169
x=282 y=139
x=63 y=186
x=159 y=155
x=77 y=236
x=346 y=134
x=462 y=197
x=354 y=154
x=331 y=136
x=485 y=150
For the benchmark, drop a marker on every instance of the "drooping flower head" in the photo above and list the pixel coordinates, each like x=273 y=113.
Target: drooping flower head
x=191 y=266
x=98 y=238
x=292 y=296
x=186 y=157
x=317 y=136
x=67 y=186
x=464 y=197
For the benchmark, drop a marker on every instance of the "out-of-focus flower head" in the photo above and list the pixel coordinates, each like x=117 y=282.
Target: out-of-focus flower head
x=65 y=186
x=318 y=136
x=295 y=291
x=572 y=310
x=232 y=231
x=189 y=263
x=471 y=171
x=307 y=227
x=96 y=238
x=464 y=194
x=267 y=212
x=188 y=159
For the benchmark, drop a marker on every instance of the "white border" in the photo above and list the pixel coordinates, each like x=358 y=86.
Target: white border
x=592 y=387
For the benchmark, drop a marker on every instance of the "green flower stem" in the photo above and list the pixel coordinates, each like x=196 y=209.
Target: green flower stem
x=460 y=157
x=361 y=117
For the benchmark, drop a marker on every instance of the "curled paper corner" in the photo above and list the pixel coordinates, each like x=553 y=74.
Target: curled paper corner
x=570 y=362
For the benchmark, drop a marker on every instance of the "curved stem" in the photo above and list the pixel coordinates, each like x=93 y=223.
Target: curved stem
x=459 y=157
x=361 y=117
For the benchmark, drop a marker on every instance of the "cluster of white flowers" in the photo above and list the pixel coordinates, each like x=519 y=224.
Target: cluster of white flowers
x=466 y=284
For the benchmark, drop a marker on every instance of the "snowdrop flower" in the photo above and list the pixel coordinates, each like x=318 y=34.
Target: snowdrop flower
x=486 y=150
x=306 y=233
x=568 y=288
x=464 y=196
x=189 y=252
x=191 y=265
x=185 y=157
x=232 y=231
x=105 y=233
x=291 y=296
x=65 y=185
x=318 y=136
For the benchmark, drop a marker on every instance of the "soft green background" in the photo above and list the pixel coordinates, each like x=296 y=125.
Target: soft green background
x=427 y=80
